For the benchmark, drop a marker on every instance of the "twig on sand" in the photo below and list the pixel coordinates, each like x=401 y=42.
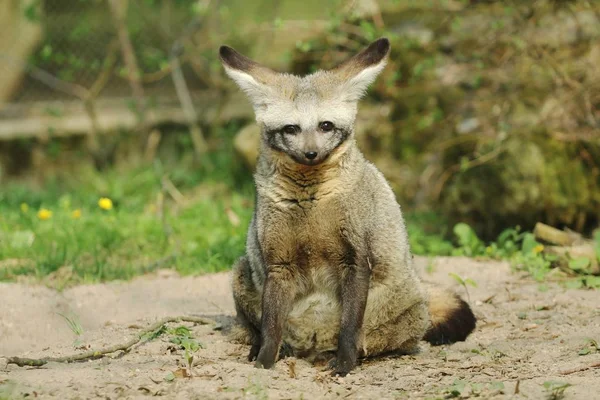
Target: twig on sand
x=159 y=263
x=579 y=369
x=95 y=354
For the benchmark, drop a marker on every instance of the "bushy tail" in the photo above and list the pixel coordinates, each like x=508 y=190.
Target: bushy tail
x=452 y=320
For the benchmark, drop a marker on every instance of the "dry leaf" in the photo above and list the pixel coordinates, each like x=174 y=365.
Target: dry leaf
x=292 y=368
x=182 y=373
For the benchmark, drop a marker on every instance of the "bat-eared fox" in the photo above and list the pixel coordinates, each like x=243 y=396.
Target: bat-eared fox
x=328 y=273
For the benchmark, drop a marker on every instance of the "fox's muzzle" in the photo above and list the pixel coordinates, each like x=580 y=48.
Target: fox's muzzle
x=310 y=157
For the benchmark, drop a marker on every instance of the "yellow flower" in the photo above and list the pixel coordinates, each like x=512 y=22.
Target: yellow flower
x=44 y=214
x=76 y=214
x=538 y=249
x=24 y=207
x=105 y=203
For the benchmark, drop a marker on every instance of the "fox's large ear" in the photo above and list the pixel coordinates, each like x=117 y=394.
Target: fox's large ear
x=361 y=70
x=250 y=76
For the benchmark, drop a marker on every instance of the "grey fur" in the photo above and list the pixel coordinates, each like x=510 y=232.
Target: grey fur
x=328 y=266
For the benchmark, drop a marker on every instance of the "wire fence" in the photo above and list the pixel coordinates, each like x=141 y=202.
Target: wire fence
x=80 y=45
x=94 y=66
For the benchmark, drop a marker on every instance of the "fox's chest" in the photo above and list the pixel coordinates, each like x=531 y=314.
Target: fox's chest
x=308 y=239
x=317 y=242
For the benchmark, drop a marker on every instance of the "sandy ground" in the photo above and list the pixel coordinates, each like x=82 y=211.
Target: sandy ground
x=526 y=336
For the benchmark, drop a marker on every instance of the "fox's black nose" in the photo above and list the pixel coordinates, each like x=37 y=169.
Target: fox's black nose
x=311 y=155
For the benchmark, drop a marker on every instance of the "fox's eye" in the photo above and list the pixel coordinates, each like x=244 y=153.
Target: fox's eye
x=291 y=129
x=326 y=126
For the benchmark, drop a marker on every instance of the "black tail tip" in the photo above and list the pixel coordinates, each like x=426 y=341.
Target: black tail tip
x=456 y=327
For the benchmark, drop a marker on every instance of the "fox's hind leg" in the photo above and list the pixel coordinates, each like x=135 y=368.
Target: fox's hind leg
x=396 y=316
x=441 y=317
x=401 y=333
x=247 y=301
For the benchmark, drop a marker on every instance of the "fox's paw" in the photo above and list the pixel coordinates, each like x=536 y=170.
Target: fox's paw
x=323 y=359
x=285 y=351
x=267 y=356
x=253 y=352
x=341 y=368
x=264 y=362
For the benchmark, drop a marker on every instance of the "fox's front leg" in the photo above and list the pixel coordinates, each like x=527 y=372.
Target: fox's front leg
x=279 y=292
x=354 y=292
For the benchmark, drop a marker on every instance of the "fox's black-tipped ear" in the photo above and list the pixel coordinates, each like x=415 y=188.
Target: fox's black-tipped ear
x=362 y=69
x=235 y=60
x=251 y=77
x=373 y=54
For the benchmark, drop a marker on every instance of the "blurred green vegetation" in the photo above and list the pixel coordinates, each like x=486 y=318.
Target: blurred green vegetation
x=494 y=108
x=58 y=232
x=492 y=122
x=493 y=105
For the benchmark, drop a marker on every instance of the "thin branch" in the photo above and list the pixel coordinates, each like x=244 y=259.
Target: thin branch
x=118 y=9
x=172 y=190
x=48 y=79
x=155 y=76
x=90 y=105
x=456 y=140
x=96 y=354
x=485 y=158
x=159 y=263
x=579 y=369
x=200 y=145
x=107 y=69
x=72 y=89
x=92 y=140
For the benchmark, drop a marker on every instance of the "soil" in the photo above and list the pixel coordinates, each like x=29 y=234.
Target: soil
x=527 y=335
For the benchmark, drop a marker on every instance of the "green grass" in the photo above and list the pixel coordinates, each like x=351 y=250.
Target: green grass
x=204 y=231
x=122 y=242
x=428 y=236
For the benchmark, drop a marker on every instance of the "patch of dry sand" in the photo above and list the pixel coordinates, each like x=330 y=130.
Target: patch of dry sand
x=524 y=338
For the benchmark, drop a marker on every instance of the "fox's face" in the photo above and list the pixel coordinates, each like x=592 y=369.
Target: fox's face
x=307 y=118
